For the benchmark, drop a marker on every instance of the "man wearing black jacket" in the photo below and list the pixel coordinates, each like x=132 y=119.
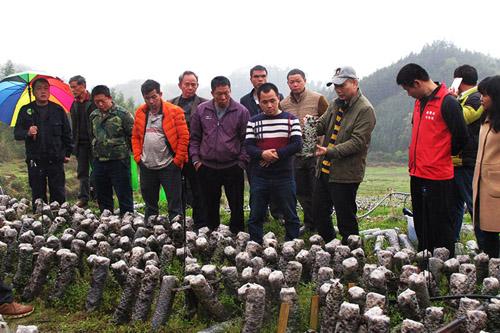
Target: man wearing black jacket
x=81 y=109
x=188 y=100
x=438 y=132
x=464 y=163
x=45 y=129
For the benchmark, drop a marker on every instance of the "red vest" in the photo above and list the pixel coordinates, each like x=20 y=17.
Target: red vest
x=430 y=147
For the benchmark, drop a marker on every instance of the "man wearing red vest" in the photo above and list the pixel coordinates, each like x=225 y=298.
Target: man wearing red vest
x=438 y=132
x=160 y=140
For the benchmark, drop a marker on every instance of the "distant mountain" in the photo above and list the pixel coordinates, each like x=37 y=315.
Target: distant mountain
x=392 y=105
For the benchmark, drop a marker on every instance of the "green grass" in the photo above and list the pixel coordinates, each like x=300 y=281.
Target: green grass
x=69 y=315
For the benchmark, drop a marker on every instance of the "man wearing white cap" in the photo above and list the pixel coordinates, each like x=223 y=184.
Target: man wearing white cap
x=347 y=126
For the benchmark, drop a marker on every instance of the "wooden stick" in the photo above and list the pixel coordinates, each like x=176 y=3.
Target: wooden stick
x=283 y=318
x=313 y=321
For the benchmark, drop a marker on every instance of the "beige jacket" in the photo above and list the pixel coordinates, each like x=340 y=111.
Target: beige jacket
x=307 y=103
x=486 y=182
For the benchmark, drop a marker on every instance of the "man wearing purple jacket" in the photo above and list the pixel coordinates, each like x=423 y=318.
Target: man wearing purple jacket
x=217 y=150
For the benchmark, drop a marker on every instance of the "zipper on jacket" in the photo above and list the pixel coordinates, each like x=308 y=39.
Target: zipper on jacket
x=416 y=140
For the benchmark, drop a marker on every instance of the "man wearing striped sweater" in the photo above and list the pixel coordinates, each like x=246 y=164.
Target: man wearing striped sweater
x=273 y=137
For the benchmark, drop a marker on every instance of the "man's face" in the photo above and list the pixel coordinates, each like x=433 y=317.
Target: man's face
x=188 y=86
x=347 y=90
x=296 y=83
x=77 y=89
x=153 y=100
x=222 y=96
x=103 y=102
x=269 y=102
x=42 y=92
x=258 y=78
x=416 y=90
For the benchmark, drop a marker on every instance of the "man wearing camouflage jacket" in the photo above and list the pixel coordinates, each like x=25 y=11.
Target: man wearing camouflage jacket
x=110 y=135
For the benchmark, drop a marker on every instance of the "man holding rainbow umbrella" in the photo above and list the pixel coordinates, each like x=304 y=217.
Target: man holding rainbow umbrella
x=44 y=127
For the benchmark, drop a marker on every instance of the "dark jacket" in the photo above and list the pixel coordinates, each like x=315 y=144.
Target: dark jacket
x=59 y=143
x=89 y=106
x=219 y=143
x=249 y=102
x=348 y=156
x=197 y=101
x=471 y=106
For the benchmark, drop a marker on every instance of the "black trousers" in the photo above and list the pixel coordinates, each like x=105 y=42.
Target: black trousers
x=43 y=173
x=194 y=195
x=212 y=181
x=342 y=197
x=113 y=175
x=491 y=244
x=5 y=293
x=304 y=169
x=433 y=213
x=83 y=171
x=170 y=179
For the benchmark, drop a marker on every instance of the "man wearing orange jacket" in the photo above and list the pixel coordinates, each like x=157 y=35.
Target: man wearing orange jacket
x=160 y=139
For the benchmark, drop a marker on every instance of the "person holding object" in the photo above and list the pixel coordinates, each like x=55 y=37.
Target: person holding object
x=45 y=129
x=347 y=126
x=438 y=132
x=160 y=140
x=486 y=182
x=273 y=137
x=463 y=163
x=302 y=102
x=216 y=148
x=110 y=133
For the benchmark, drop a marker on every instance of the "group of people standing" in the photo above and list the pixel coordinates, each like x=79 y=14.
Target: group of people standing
x=454 y=157
x=213 y=143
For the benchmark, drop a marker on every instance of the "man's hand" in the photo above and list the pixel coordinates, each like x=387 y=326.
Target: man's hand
x=66 y=159
x=197 y=165
x=270 y=155
x=307 y=116
x=264 y=164
x=453 y=92
x=33 y=131
x=320 y=150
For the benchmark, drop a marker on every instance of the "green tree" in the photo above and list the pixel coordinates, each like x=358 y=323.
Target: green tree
x=7 y=69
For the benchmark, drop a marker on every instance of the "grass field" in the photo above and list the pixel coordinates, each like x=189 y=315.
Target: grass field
x=69 y=315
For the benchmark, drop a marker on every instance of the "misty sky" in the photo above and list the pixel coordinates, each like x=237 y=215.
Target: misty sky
x=111 y=42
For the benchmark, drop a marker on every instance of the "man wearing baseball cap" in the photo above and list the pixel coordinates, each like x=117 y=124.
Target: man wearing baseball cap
x=347 y=126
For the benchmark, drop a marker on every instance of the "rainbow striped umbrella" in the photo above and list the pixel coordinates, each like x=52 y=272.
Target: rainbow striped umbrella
x=15 y=91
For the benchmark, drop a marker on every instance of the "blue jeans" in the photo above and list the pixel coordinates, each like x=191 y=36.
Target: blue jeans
x=113 y=175
x=462 y=195
x=284 y=195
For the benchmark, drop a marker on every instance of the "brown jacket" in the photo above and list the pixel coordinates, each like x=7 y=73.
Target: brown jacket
x=486 y=182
